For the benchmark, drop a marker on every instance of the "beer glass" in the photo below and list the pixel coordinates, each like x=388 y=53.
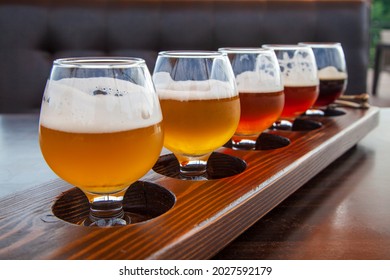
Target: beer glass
x=100 y=129
x=260 y=89
x=300 y=79
x=200 y=106
x=332 y=72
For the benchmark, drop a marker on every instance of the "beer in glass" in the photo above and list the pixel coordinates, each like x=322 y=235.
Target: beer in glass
x=100 y=129
x=332 y=71
x=300 y=78
x=200 y=106
x=261 y=92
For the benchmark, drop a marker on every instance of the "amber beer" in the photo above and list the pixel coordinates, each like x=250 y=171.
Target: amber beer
x=261 y=93
x=196 y=127
x=101 y=162
x=258 y=112
x=298 y=99
x=300 y=78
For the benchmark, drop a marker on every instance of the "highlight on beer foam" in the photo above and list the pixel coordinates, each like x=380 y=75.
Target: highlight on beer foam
x=331 y=73
x=101 y=104
x=258 y=82
x=167 y=88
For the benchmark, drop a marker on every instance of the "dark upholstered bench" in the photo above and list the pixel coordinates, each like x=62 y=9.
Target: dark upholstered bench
x=34 y=32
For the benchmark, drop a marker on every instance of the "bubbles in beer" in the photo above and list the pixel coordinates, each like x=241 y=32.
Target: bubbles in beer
x=93 y=105
x=192 y=90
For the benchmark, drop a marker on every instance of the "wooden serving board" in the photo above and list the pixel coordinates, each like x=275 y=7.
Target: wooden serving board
x=177 y=219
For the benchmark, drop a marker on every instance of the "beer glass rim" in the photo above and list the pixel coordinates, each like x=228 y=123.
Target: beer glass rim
x=320 y=44
x=191 y=54
x=284 y=46
x=100 y=62
x=243 y=50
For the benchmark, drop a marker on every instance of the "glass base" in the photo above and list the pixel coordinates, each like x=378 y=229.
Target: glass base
x=244 y=144
x=193 y=167
x=109 y=222
x=188 y=177
x=106 y=211
x=282 y=125
x=314 y=112
x=219 y=166
x=328 y=111
x=193 y=170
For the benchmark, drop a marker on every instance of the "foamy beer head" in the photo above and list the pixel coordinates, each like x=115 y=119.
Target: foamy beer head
x=297 y=64
x=98 y=104
x=194 y=75
x=167 y=88
x=331 y=73
x=256 y=69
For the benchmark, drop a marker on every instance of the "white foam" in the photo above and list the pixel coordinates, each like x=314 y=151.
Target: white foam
x=167 y=88
x=299 y=83
x=298 y=70
x=70 y=105
x=331 y=73
x=258 y=82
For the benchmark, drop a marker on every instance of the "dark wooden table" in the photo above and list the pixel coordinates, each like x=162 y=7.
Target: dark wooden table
x=341 y=213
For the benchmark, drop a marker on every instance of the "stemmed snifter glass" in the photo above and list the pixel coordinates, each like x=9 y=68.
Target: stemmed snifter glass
x=300 y=79
x=332 y=73
x=100 y=129
x=261 y=92
x=200 y=106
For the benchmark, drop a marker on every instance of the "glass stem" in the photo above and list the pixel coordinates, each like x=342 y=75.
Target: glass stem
x=244 y=142
x=283 y=124
x=107 y=210
x=193 y=167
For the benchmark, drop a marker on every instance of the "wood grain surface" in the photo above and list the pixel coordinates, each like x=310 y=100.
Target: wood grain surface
x=198 y=220
x=342 y=213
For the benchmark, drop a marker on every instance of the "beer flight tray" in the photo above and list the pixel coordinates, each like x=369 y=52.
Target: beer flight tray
x=178 y=219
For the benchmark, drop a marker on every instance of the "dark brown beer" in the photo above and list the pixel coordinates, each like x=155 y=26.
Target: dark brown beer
x=330 y=90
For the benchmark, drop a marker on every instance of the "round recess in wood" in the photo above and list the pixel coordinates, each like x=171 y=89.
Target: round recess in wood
x=142 y=201
x=266 y=141
x=219 y=166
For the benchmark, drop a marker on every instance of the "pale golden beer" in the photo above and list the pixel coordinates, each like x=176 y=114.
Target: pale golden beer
x=197 y=127
x=101 y=162
x=200 y=106
x=100 y=129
